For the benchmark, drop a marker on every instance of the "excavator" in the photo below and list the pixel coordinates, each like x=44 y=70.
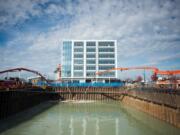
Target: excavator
x=160 y=83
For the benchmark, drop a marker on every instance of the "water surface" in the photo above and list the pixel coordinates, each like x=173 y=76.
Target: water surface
x=97 y=118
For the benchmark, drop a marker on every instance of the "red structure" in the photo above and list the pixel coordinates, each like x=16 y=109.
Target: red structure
x=17 y=82
x=58 y=71
x=154 y=77
x=154 y=69
x=24 y=69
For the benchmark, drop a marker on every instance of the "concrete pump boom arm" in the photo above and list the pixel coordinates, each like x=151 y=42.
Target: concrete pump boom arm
x=24 y=69
x=168 y=72
x=128 y=68
x=154 y=69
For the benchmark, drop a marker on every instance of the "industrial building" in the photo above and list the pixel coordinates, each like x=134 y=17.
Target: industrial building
x=82 y=59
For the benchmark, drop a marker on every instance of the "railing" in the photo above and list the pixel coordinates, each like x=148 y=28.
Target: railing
x=99 y=84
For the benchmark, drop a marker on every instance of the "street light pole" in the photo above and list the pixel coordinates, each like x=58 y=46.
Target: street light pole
x=144 y=76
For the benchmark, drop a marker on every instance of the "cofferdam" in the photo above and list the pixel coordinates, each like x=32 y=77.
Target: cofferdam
x=89 y=118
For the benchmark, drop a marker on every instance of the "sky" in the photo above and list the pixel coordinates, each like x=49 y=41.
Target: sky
x=32 y=31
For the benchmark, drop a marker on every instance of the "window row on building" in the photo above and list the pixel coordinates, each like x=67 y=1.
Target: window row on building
x=78 y=50
x=94 y=56
x=106 y=67
x=93 y=61
x=78 y=74
x=90 y=50
x=78 y=61
x=106 y=50
x=78 y=44
x=93 y=44
x=91 y=56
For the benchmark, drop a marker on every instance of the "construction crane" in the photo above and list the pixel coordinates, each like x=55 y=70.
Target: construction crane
x=155 y=70
x=58 y=72
x=16 y=83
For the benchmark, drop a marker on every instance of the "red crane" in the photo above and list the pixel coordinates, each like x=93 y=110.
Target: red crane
x=58 y=71
x=154 y=69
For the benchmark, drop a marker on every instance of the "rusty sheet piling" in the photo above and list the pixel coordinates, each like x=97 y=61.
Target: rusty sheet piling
x=12 y=102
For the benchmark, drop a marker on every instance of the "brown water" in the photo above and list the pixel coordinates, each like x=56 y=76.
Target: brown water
x=97 y=118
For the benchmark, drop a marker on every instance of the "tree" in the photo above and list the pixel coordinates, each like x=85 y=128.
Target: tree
x=139 y=79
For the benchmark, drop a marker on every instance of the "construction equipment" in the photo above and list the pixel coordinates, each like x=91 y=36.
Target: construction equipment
x=58 y=72
x=154 y=69
x=16 y=82
x=24 y=69
x=154 y=77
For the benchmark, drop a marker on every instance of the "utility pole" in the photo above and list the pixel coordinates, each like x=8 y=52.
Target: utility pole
x=144 y=76
x=19 y=74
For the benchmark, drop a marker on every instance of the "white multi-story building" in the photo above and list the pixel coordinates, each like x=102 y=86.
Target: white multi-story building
x=81 y=59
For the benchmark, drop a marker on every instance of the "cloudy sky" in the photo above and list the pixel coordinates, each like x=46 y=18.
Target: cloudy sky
x=147 y=31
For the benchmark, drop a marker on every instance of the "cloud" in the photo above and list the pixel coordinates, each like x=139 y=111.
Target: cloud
x=164 y=59
x=146 y=31
x=17 y=11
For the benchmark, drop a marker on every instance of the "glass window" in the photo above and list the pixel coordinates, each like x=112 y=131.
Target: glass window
x=91 y=49
x=109 y=74
x=91 y=55
x=90 y=74
x=106 y=67
x=78 y=44
x=105 y=44
x=78 y=55
x=78 y=61
x=106 y=49
x=78 y=74
x=91 y=62
x=67 y=58
x=91 y=67
x=78 y=67
x=106 y=55
x=78 y=49
x=106 y=62
x=67 y=45
x=90 y=43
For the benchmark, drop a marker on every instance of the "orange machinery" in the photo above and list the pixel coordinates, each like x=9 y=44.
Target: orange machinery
x=155 y=70
x=58 y=72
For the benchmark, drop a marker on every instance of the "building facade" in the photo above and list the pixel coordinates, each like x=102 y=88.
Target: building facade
x=81 y=59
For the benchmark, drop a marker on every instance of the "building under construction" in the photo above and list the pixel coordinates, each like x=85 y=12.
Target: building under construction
x=81 y=59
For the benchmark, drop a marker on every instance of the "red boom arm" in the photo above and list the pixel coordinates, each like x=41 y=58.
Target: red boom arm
x=24 y=69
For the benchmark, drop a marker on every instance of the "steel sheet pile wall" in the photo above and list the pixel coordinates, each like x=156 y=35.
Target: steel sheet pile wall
x=162 y=97
x=12 y=102
x=73 y=93
x=162 y=105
